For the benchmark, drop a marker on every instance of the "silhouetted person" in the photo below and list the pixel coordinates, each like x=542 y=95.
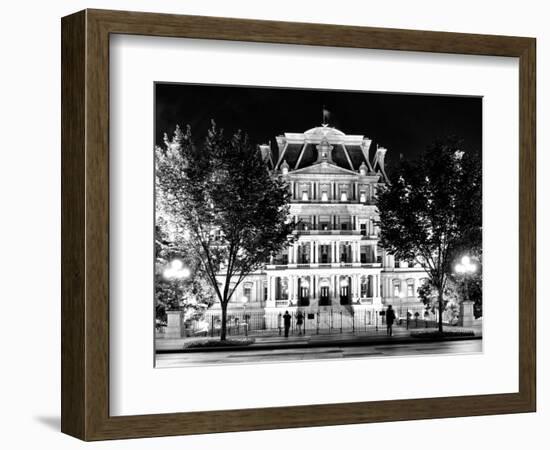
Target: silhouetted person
x=390 y=318
x=280 y=323
x=299 y=321
x=286 y=320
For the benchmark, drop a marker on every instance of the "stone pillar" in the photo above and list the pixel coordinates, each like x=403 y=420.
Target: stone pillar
x=311 y=251
x=173 y=326
x=289 y=287
x=316 y=252
x=317 y=290
x=337 y=250
x=466 y=317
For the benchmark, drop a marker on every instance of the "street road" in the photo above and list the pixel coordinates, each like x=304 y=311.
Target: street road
x=303 y=354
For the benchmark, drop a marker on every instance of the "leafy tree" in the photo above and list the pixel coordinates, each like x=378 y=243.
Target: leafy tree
x=431 y=212
x=429 y=295
x=223 y=203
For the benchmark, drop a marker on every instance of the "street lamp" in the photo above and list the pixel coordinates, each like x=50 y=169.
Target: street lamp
x=464 y=268
x=175 y=270
x=245 y=300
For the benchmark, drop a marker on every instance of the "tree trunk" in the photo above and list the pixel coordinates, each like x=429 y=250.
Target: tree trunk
x=440 y=307
x=223 y=329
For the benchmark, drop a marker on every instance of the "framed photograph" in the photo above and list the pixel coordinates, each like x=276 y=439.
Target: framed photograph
x=273 y=225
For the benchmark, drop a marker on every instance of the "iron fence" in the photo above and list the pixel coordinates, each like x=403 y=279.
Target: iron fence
x=322 y=321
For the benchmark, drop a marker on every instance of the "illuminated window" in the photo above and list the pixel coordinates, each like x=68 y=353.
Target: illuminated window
x=324 y=196
x=364 y=286
x=247 y=291
x=344 y=196
x=410 y=288
x=305 y=196
x=362 y=196
x=396 y=288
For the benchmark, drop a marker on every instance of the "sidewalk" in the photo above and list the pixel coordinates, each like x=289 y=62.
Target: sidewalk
x=273 y=341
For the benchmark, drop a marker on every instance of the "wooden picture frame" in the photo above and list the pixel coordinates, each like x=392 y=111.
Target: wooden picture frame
x=85 y=224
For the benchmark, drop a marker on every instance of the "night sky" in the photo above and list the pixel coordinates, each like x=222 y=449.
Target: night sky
x=403 y=123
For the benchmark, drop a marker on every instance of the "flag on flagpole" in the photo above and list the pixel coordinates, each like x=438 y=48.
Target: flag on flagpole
x=326 y=115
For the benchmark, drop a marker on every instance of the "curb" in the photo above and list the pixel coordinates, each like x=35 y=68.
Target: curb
x=301 y=345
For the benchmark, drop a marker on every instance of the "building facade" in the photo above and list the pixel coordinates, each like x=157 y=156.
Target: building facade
x=336 y=262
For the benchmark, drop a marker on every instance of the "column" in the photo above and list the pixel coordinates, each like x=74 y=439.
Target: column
x=337 y=250
x=333 y=252
x=273 y=288
x=316 y=252
x=311 y=251
x=268 y=289
x=290 y=286
x=315 y=287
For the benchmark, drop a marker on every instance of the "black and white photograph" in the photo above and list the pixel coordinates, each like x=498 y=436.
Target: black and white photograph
x=301 y=224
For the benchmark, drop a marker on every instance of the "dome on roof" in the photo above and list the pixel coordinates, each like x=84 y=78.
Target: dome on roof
x=324 y=131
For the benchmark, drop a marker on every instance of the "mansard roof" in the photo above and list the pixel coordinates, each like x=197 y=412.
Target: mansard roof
x=324 y=168
x=301 y=149
x=322 y=145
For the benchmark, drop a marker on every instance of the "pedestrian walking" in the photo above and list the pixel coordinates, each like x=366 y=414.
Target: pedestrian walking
x=280 y=323
x=390 y=318
x=286 y=320
x=299 y=322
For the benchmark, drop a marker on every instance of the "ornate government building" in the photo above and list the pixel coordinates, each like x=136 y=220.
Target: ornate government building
x=336 y=261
